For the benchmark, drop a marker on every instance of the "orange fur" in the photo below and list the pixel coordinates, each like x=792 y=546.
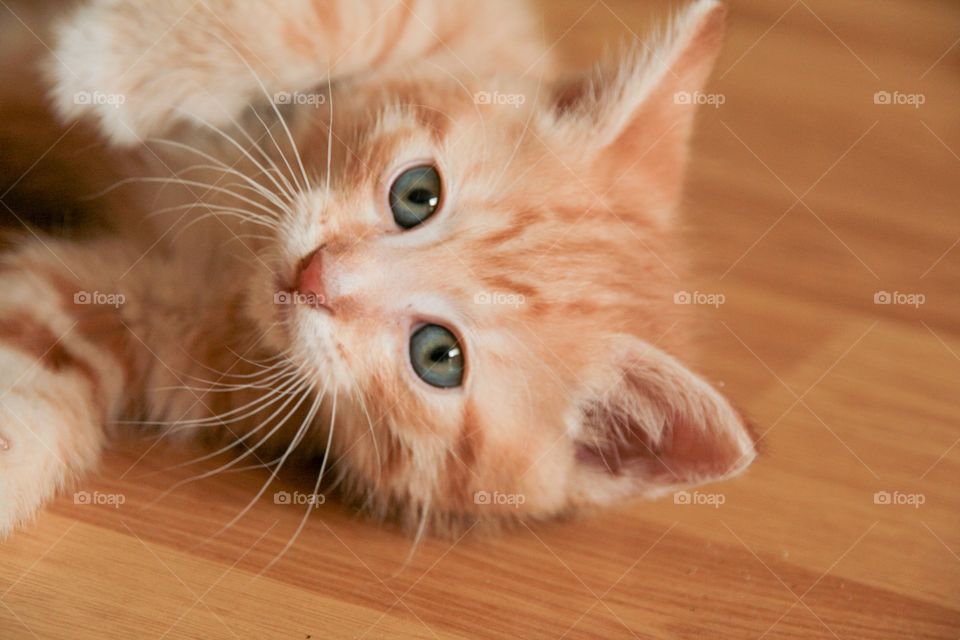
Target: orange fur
x=563 y=202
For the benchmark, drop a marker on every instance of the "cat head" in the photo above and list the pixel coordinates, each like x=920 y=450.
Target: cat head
x=481 y=275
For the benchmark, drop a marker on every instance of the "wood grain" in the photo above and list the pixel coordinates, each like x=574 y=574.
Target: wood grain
x=805 y=199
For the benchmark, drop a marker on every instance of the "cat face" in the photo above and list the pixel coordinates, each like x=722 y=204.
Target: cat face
x=481 y=276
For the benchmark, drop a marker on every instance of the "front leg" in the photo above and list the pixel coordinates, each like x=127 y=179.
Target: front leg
x=62 y=376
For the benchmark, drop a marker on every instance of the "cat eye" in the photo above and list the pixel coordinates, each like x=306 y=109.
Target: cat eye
x=436 y=356
x=415 y=196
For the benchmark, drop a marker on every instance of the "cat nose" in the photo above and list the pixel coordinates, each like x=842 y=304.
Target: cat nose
x=310 y=281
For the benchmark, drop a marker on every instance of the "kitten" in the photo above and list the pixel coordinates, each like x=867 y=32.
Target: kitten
x=383 y=234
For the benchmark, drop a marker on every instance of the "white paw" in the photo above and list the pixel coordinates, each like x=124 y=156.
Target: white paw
x=40 y=451
x=128 y=67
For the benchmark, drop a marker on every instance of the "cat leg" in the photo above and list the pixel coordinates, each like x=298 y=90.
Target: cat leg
x=141 y=68
x=62 y=376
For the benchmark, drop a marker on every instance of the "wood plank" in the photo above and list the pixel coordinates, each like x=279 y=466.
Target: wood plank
x=798 y=548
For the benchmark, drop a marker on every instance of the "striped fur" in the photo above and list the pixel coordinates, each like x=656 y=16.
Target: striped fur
x=560 y=196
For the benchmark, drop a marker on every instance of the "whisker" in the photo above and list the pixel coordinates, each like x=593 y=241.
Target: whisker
x=232 y=463
x=316 y=489
x=204 y=205
x=293 y=445
x=251 y=185
x=255 y=382
x=265 y=365
x=274 y=397
x=288 y=189
x=250 y=236
x=284 y=355
x=283 y=122
x=217 y=211
x=263 y=170
x=302 y=387
x=218 y=419
x=330 y=132
x=217 y=164
x=373 y=435
x=277 y=146
x=221 y=213
x=418 y=538
x=188 y=183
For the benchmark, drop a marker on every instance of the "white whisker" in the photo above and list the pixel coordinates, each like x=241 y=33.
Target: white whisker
x=284 y=190
x=373 y=435
x=301 y=388
x=307 y=422
x=232 y=463
x=270 y=100
x=221 y=418
x=289 y=190
x=192 y=183
x=329 y=168
x=316 y=488
x=418 y=538
x=221 y=166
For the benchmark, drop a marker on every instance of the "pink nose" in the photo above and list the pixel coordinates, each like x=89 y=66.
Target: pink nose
x=310 y=284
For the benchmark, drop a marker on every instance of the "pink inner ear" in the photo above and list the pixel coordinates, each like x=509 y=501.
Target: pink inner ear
x=663 y=425
x=684 y=453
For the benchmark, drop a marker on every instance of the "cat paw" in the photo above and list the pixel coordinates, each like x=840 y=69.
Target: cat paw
x=36 y=460
x=88 y=74
x=138 y=69
x=24 y=487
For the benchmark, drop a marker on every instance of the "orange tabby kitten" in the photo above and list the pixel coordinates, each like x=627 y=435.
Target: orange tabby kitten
x=377 y=232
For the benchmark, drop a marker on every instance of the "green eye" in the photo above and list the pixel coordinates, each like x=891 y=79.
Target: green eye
x=436 y=356
x=415 y=196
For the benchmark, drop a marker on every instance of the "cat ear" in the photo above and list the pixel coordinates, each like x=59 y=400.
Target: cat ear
x=651 y=425
x=637 y=114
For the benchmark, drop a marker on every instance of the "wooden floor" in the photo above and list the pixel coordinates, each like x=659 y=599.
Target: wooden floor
x=806 y=199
